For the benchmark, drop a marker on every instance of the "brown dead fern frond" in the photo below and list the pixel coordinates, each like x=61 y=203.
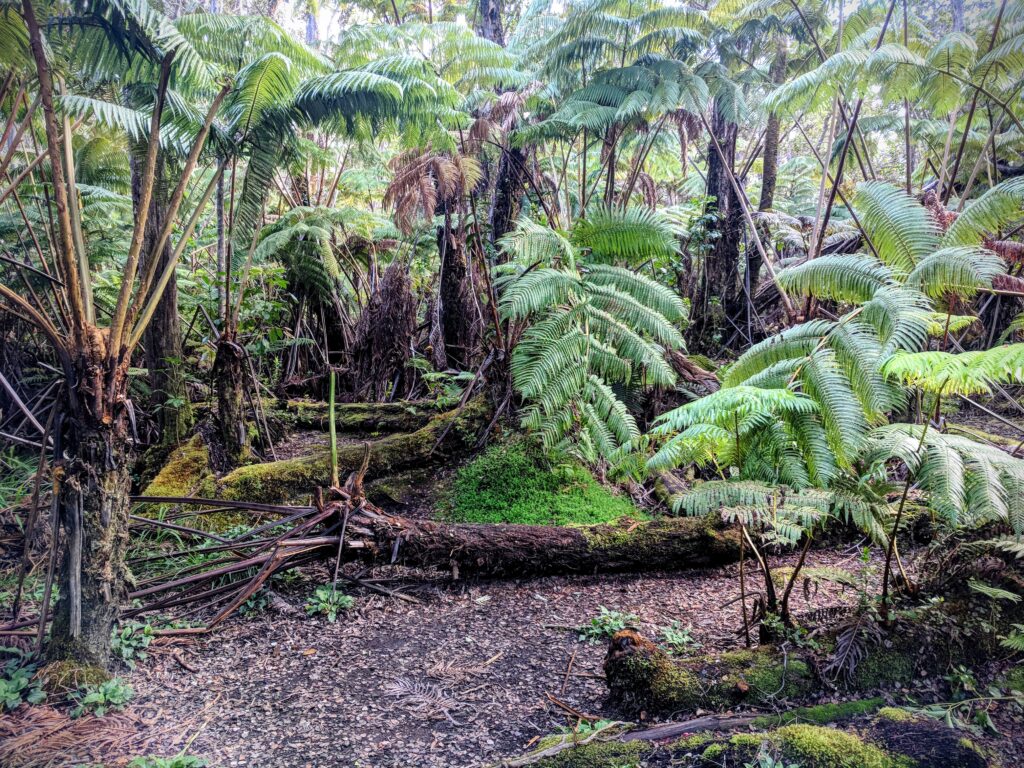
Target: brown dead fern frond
x=423 y=180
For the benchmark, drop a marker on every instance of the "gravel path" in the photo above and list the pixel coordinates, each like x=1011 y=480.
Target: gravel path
x=459 y=681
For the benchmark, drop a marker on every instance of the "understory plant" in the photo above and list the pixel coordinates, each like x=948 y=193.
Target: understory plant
x=101 y=698
x=606 y=624
x=327 y=601
x=18 y=685
x=130 y=641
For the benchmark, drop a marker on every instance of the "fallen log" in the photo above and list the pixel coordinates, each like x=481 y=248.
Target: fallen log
x=891 y=739
x=443 y=437
x=536 y=550
x=360 y=531
x=358 y=418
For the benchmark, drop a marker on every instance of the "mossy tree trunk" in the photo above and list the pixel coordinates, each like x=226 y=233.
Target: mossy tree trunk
x=229 y=383
x=93 y=481
x=458 y=306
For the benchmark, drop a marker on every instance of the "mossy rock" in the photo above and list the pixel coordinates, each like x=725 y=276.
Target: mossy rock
x=60 y=678
x=643 y=679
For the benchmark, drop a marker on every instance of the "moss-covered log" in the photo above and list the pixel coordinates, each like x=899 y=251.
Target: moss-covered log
x=533 y=550
x=643 y=680
x=893 y=738
x=358 y=418
x=444 y=436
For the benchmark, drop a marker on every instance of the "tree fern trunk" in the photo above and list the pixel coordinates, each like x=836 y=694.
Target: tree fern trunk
x=94 y=482
x=168 y=397
x=716 y=294
x=458 y=313
x=229 y=384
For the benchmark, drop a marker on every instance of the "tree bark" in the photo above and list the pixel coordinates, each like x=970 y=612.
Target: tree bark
x=162 y=338
x=229 y=383
x=383 y=337
x=94 y=481
x=458 y=312
x=508 y=184
x=720 y=280
x=770 y=169
x=489 y=24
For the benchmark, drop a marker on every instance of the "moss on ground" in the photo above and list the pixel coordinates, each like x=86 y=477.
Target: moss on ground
x=1014 y=679
x=804 y=744
x=814 y=745
x=646 y=679
x=509 y=483
x=884 y=667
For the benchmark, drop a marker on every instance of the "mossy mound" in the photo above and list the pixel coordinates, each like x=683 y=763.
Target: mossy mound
x=60 y=678
x=926 y=742
x=811 y=746
x=511 y=483
x=597 y=755
x=187 y=472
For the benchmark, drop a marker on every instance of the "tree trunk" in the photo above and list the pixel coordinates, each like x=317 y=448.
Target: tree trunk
x=229 y=383
x=508 y=184
x=489 y=24
x=717 y=292
x=384 y=335
x=162 y=338
x=94 y=480
x=770 y=169
x=458 y=312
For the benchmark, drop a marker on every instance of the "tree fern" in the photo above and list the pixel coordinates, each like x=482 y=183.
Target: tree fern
x=589 y=328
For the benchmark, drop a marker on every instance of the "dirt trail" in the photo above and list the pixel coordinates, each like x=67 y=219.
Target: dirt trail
x=459 y=681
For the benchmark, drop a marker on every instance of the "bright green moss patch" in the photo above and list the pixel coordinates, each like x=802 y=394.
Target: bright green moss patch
x=510 y=484
x=186 y=472
x=814 y=745
x=596 y=755
x=821 y=714
x=896 y=715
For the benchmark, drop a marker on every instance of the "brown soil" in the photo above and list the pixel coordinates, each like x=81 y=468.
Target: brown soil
x=459 y=681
